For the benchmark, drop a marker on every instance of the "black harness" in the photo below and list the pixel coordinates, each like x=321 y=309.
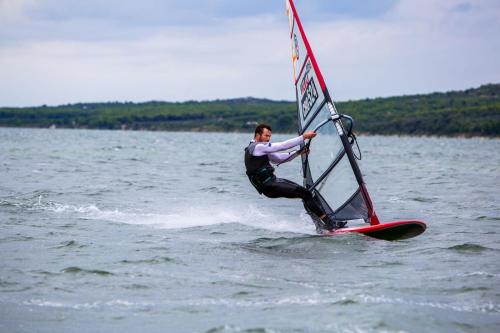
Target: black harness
x=259 y=170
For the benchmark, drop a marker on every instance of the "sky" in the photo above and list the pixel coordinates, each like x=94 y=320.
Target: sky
x=57 y=52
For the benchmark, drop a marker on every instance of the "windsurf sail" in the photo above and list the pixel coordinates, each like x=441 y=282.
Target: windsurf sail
x=330 y=170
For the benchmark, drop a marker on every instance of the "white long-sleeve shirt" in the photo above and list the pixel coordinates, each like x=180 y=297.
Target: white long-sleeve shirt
x=274 y=150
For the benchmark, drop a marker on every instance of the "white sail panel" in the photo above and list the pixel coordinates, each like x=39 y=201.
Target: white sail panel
x=299 y=49
x=310 y=97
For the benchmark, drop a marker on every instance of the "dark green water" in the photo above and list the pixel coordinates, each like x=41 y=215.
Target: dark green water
x=104 y=231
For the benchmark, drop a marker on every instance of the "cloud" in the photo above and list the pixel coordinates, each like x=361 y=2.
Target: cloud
x=417 y=47
x=169 y=50
x=172 y=63
x=13 y=8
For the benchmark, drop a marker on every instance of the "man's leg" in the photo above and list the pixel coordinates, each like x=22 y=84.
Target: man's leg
x=283 y=188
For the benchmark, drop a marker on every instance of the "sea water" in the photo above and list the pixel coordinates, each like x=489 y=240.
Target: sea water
x=121 y=231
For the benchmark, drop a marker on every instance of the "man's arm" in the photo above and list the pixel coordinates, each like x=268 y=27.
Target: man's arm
x=283 y=157
x=269 y=148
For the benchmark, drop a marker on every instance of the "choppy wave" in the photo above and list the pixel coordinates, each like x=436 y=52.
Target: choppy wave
x=484 y=217
x=476 y=274
x=303 y=246
x=78 y=270
x=309 y=300
x=470 y=248
x=258 y=302
x=88 y=305
x=70 y=244
x=487 y=307
x=236 y=329
x=155 y=260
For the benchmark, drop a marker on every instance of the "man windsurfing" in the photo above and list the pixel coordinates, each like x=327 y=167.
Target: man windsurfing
x=259 y=155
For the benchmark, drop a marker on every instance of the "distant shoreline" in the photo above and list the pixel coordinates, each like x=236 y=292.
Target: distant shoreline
x=250 y=133
x=469 y=113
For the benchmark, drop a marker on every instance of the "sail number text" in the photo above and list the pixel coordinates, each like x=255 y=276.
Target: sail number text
x=309 y=94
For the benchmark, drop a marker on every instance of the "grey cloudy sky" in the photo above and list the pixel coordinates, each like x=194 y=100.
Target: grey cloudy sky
x=67 y=51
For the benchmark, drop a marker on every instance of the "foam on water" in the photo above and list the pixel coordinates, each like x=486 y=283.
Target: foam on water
x=88 y=305
x=190 y=217
x=488 y=307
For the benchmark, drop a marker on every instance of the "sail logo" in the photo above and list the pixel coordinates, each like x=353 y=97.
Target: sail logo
x=308 y=92
x=296 y=44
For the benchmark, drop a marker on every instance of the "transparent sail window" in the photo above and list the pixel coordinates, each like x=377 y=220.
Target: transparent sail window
x=340 y=184
x=325 y=147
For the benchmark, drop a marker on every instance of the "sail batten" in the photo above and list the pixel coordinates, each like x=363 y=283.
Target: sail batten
x=330 y=171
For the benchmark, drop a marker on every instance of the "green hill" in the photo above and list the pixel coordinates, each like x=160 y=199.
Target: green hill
x=473 y=112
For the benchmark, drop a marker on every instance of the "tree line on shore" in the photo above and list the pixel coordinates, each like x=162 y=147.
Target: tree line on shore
x=472 y=112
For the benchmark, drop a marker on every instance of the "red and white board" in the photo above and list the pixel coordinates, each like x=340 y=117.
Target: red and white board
x=388 y=231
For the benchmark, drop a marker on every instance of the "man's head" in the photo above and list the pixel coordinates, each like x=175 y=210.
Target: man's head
x=262 y=133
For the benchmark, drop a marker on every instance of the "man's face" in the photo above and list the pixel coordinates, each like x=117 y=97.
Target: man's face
x=264 y=137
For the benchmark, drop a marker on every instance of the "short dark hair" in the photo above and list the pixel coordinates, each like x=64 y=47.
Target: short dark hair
x=260 y=128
